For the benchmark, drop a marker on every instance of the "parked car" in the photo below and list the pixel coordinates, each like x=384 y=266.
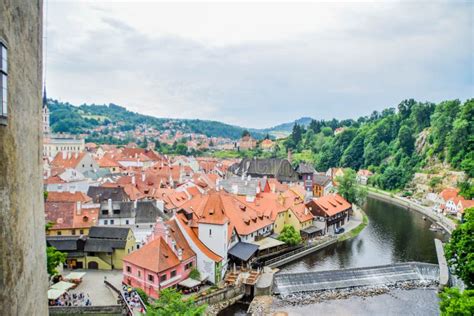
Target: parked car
x=339 y=230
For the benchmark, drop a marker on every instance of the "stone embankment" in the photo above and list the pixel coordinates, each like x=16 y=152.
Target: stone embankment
x=355 y=225
x=321 y=296
x=444 y=222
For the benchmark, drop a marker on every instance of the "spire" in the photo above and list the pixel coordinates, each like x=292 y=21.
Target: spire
x=45 y=101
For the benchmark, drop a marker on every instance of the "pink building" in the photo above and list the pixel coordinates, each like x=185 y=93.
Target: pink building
x=164 y=261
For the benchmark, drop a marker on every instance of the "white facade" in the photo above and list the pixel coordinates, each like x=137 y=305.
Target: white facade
x=264 y=231
x=215 y=238
x=53 y=145
x=73 y=186
x=205 y=265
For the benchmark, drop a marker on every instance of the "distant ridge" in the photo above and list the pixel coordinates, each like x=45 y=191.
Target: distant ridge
x=284 y=129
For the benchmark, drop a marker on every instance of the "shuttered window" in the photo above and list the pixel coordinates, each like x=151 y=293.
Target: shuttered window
x=3 y=80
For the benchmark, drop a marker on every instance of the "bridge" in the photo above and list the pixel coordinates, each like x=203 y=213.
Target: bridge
x=289 y=283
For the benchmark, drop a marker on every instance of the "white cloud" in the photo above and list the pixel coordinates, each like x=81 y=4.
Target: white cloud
x=258 y=64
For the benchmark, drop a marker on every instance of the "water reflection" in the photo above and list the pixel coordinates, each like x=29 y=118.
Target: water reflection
x=394 y=234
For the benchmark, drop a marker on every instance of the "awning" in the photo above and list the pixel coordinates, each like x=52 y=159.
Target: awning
x=53 y=294
x=268 y=242
x=189 y=283
x=74 y=276
x=243 y=251
x=62 y=286
x=310 y=230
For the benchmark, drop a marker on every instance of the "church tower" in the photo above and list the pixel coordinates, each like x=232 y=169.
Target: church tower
x=46 y=127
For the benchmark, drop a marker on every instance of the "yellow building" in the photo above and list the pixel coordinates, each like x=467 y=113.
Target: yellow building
x=103 y=249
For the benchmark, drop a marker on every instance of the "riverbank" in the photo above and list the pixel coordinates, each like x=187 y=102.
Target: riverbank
x=352 y=228
x=447 y=224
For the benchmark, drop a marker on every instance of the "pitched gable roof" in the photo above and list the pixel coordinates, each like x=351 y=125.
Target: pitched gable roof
x=155 y=256
x=67 y=160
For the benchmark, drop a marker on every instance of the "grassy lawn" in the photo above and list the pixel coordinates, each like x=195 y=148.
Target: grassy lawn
x=356 y=231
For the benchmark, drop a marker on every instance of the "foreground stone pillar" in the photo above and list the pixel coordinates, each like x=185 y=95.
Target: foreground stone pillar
x=23 y=277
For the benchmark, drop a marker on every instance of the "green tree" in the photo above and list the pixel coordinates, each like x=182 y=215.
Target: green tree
x=466 y=189
x=460 y=249
x=348 y=188
x=406 y=140
x=54 y=259
x=171 y=303
x=289 y=235
x=456 y=303
x=245 y=133
x=195 y=274
x=143 y=296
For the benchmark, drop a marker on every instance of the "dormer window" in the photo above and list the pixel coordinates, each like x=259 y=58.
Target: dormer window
x=3 y=81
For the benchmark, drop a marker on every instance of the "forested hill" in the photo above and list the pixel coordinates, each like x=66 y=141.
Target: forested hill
x=68 y=118
x=394 y=143
x=283 y=130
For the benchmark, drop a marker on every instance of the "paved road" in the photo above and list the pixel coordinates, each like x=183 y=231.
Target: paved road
x=93 y=284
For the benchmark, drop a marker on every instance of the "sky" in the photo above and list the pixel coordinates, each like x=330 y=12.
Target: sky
x=258 y=64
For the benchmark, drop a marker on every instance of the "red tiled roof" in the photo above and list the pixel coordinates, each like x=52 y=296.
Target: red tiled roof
x=332 y=204
x=67 y=160
x=202 y=247
x=68 y=197
x=155 y=256
x=449 y=193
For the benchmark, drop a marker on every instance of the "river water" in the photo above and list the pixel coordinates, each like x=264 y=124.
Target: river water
x=394 y=234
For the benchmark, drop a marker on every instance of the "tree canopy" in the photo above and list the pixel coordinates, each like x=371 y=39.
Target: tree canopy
x=460 y=249
x=289 y=235
x=172 y=303
x=348 y=188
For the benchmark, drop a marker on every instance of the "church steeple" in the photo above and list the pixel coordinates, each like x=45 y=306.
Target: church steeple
x=45 y=100
x=46 y=127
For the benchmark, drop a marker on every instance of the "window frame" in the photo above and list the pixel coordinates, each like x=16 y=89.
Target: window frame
x=3 y=75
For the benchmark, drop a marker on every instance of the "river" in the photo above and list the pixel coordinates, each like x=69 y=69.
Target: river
x=394 y=234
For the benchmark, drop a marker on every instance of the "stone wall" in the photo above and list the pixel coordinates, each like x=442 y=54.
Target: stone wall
x=23 y=278
x=220 y=295
x=79 y=310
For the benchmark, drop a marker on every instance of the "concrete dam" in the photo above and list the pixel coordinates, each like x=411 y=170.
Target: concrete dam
x=289 y=283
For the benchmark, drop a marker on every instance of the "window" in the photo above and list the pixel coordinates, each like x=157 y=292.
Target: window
x=151 y=278
x=59 y=233
x=210 y=232
x=163 y=278
x=188 y=266
x=3 y=81
x=81 y=232
x=117 y=212
x=106 y=222
x=105 y=212
x=129 y=269
x=173 y=274
x=126 y=222
x=111 y=222
x=73 y=232
x=139 y=273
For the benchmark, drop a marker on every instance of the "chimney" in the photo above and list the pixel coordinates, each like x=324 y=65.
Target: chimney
x=64 y=155
x=289 y=155
x=133 y=180
x=68 y=155
x=76 y=155
x=143 y=176
x=109 y=203
x=78 y=208
x=180 y=254
x=135 y=204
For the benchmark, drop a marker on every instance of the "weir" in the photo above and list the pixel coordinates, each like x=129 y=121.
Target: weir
x=288 y=283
